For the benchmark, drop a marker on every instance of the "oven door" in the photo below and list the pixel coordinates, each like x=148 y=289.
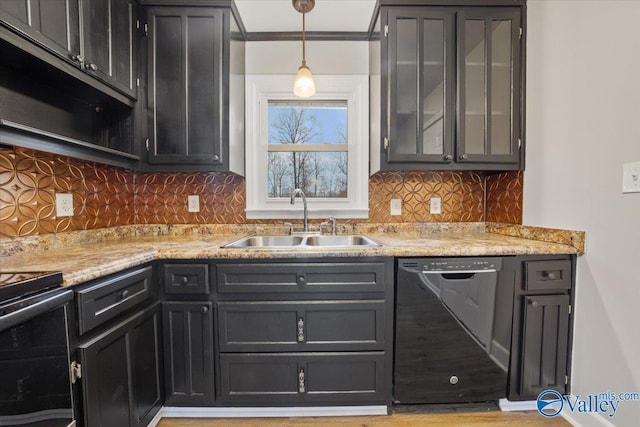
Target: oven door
x=35 y=382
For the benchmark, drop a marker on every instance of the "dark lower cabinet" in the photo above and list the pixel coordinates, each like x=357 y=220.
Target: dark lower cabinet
x=188 y=342
x=121 y=372
x=542 y=325
x=545 y=343
x=303 y=378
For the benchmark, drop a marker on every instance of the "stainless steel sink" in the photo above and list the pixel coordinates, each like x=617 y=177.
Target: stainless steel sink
x=266 y=242
x=312 y=241
x=350 y=240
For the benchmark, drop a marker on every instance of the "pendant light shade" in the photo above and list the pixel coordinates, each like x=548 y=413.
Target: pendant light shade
x=304 y=86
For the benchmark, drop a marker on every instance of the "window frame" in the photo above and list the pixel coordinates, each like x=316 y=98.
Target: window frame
x=260 y=90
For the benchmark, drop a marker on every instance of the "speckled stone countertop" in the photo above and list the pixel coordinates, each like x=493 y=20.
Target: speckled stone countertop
x=87 y=255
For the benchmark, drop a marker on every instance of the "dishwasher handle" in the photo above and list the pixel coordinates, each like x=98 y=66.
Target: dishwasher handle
x=431 y=272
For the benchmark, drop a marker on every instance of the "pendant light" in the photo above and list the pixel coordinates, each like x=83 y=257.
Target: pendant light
x=304 y=86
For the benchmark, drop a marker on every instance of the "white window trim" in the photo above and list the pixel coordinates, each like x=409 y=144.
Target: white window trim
x=354 y=89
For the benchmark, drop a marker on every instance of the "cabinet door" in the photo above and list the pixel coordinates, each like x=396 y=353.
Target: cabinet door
x=301 y=326
x=544 y=344
x=488 y=125
x=120 y=372
x=421 y=85
x=53 y=24
x=146 y=368
x=184 y=85
x=299 y=378
x=108 y=40
x=188 y=349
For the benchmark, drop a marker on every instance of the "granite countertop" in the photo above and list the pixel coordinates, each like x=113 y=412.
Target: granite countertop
x=85 y=257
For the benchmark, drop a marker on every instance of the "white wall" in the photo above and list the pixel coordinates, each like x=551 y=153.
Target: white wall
x=583 y=123
x=323 y=57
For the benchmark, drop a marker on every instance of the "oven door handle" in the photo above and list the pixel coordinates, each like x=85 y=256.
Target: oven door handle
x=30 y=311
x=460 y=271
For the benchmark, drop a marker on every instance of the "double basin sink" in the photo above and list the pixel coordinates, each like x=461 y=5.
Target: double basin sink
x=304 y=241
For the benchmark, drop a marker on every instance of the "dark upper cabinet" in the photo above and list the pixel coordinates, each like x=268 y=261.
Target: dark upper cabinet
x=53 y=24
x=195 y=80
x=108 y=42
x=449 y=88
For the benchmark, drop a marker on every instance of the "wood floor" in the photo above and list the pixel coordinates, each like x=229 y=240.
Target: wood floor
x=471 y=419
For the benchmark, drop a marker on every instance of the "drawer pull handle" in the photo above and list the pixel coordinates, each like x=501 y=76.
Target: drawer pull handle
x=204 y=309
x=125 y=294
x=301 y=385
x=549 y=275
x=301 y=330
x=185 y=280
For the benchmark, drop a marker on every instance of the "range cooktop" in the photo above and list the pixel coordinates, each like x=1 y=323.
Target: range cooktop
x=16 y=284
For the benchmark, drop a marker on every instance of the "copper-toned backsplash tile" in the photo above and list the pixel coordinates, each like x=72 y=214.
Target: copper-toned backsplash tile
x=461 y=193
x=102 y=195
x=504 y=197
x=106 y=196
x=161 y=198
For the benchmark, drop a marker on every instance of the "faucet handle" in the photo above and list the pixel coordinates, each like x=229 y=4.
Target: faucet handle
x=333 y=225
x=288 y=224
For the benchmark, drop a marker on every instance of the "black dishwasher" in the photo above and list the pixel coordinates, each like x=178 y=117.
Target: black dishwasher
x=453 y=330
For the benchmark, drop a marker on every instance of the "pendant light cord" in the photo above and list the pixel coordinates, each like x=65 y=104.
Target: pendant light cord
x=304 y=61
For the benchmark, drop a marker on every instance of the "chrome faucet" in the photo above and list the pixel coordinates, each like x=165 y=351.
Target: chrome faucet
x=299 y=192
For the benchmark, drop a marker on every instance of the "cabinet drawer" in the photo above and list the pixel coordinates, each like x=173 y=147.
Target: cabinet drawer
x=290 y=378
x=295 y=326
x=301 y=277
x=186 y=278
x=547 y=275
x=110 y=297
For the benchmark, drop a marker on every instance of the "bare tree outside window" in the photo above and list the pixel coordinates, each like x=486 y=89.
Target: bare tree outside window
x=307 y=149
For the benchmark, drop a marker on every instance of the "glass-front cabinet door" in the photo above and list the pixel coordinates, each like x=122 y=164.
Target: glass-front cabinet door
x=488 y=124
x=421 y=54
x=451 y=76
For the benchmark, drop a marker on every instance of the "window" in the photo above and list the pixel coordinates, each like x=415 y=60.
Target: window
x=318 y=145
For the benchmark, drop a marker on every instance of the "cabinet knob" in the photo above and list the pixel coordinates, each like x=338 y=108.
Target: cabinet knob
x=77 y=58
x=534 y=304
x=463 y=157
x=124 y=294
x=448 y=157
x=301 y=280
x=454 y=380
x=92 y=67
x=216 y=157
x=185 y=280
x=549 y=275
x=204 y=309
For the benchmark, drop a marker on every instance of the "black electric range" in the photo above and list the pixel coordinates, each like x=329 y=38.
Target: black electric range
x=19 y=284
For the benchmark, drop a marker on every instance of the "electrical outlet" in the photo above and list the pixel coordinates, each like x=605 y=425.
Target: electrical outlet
x=435 y=206
x=194 y=203
x=64 y=204
x=396 y=207
x=631 y=177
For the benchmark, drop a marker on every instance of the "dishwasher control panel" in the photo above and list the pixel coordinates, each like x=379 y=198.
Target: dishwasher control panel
x=452 y=265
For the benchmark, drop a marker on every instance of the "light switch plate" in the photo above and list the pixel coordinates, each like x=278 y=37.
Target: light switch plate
x=435 y=206
x=194 y=203
x=396 y=207
x=64 y=204
x=631 y=177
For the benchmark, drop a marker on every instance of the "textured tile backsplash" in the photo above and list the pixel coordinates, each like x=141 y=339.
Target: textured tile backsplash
x=105 y=196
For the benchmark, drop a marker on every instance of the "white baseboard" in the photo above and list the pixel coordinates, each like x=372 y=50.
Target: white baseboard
x=509 y=406
x=241 y=412
x=154 y=422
